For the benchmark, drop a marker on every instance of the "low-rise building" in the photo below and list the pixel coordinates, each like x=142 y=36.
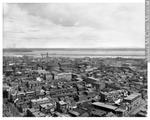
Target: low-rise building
x=132 y=101
x=105 y=107
x=99 y=85
x=65 y=76
x=61 y=106
x=47 y=107
x=35 y=103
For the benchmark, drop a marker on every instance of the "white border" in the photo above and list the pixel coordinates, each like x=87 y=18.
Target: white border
x=61 y=1
x=70 y=1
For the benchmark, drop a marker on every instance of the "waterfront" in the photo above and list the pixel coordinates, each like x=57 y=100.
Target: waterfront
x=128 y=53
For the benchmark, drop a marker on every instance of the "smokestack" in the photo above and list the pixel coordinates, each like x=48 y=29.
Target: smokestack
x=47 y=57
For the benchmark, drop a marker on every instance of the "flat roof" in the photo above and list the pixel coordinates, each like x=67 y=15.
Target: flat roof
x=64 y=73
x=74 y=113
x=80 y=79
x=20 y=93
x=120 y=110
x=100 y=104
x=41 y=71
x=61 y=115
x=30 y=92
x=98 y=112
x=93 y=78
x=141 y=113
x=32 y=109
x=38 y=114
x=132 y=96
x=40 y=99
x=62 y=102
x=47 y=105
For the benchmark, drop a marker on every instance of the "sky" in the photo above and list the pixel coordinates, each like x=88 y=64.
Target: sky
x=73 y=25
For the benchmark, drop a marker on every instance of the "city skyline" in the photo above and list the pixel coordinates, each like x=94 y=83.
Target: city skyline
x=78 y=25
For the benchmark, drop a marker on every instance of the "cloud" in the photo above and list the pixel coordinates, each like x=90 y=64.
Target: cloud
x=74 y=25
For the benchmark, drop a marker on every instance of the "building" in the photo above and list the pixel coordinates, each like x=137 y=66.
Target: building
x=97 y=113
x=35 y=103
x=30 y=95
x=47 y=108
x=99 y=85
x=132 y=101
x=121 y=112
x=74 y=113
x=110 y=114
x=113 y=96
x=105 y=107
x=64 y=76
x=34 y=113
x=66 y=66
x=63 y=92
x=61 y=106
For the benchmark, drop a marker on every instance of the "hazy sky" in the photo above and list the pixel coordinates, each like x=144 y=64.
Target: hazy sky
x=78 y=25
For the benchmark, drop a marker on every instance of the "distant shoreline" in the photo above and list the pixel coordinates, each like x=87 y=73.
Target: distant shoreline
x=77 y=55
x=70 y=49
x=71 y=52
x=82 y=56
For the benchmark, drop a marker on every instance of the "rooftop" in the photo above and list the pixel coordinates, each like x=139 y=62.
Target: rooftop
x=62 y=102
x=132 y=96
x=100 y=104
x=98 y=112
x=65 y=73
x=93 y=78
x=74 y=113
x=38 y=114
x=47 y=105
x=40 y=99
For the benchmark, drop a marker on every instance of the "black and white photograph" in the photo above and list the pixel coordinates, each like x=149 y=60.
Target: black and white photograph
x=74 y=59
